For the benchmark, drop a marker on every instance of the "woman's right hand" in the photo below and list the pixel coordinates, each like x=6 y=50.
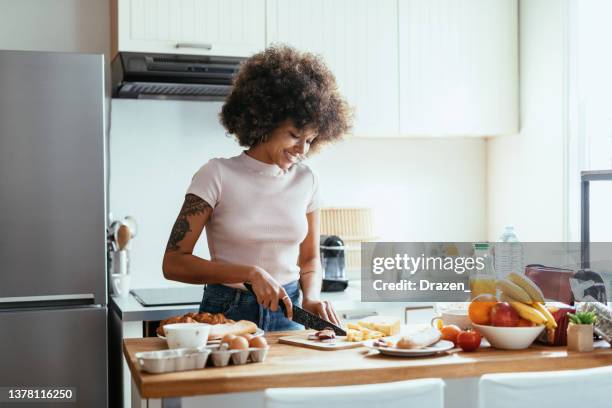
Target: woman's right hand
x=268 y=291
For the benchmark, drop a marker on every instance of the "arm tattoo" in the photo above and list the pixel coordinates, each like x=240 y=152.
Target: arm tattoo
x=193 y=205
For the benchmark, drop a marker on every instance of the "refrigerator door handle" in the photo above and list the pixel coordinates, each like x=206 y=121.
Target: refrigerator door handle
x=46 y=301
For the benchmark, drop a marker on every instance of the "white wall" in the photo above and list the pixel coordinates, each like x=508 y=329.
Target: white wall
x=55 y=25
x=428 y=189
x=420 y=189
x=525 y=185
x=591 y=122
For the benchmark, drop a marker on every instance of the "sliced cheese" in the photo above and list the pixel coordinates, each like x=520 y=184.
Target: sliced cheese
x=387 y=325
x=354 y=335
x=356 y=332
x=371 y=334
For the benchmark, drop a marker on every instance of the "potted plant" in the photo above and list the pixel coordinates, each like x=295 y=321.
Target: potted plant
x=580 y=331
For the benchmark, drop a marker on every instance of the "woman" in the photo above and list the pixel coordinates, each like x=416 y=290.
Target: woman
x=261 y=208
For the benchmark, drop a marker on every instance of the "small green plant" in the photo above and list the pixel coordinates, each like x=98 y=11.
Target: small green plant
x=582 y=317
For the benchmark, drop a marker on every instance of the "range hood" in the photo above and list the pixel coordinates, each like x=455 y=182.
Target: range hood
x=171 y=76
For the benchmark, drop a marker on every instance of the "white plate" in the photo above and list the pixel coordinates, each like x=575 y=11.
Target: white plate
x=442 y=345
x=258 y=333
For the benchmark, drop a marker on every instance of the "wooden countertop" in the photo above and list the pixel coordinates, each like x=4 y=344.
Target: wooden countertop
x=290 y=366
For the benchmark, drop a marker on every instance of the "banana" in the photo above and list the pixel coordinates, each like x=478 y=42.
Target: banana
x=534 y=292
x=508 y=299
x=550 y=320
x=513 y=290
x=528 y=312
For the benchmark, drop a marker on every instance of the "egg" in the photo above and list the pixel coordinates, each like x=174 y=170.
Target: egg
x=239 y=343
x=228 y=338
x=247 y=336
x=258 y=342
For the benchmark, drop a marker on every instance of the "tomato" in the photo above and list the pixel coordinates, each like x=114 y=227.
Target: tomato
x=469 y=340
x=450 y=333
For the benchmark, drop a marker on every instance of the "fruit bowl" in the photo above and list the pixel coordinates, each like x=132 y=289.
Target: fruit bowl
x=510 y=338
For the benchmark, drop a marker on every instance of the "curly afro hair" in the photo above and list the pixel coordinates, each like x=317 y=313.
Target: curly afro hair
x=282 y=84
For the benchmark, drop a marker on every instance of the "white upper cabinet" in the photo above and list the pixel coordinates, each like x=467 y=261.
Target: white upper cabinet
x=407 y=67
x=458 y=63
x=205 y=27
x=358 y=41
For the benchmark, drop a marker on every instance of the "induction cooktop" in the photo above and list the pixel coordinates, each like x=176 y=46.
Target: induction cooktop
x=190 y=295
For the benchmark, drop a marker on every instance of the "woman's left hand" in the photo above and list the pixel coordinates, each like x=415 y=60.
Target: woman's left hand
x=322 y=308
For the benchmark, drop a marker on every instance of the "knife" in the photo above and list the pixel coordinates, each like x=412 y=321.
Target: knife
x=303 y=317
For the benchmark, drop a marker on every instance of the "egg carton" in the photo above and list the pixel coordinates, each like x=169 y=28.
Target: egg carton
x=221 y=356
x=166 y=361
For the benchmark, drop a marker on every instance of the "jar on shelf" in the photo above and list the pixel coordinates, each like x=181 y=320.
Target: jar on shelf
x=482 y=276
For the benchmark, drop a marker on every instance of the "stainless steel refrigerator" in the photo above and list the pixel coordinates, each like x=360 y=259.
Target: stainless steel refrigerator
x=53 y=290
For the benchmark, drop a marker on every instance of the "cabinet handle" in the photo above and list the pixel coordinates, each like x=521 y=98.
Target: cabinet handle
x=358 y=315
x=203 y=46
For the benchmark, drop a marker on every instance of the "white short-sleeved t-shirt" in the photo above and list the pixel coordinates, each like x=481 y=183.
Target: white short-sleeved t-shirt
x=259 y=212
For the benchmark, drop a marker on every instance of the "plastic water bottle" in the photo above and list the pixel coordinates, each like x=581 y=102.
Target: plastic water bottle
x=508 y=253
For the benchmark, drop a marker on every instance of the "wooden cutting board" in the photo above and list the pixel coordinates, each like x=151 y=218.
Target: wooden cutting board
x=302 y=341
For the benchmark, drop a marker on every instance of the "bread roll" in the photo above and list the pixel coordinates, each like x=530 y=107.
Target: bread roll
x=217 y=331
x=220 y=325
x=420 y=339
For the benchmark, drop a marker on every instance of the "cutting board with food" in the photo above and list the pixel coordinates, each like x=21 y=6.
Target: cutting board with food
x=371 y=328
x=320 y=340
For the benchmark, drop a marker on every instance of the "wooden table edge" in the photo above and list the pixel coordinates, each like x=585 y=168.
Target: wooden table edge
x=450 y=369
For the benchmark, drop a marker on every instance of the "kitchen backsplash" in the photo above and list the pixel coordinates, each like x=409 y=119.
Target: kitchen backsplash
x=429 y=189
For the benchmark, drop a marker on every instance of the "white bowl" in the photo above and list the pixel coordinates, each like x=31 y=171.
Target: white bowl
x=509 y=338
x=186 y=335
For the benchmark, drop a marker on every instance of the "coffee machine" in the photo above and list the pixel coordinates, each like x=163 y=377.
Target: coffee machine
x=333 y=261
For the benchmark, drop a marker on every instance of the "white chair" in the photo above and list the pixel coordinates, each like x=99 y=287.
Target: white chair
x=426 y=393
x=548 y=389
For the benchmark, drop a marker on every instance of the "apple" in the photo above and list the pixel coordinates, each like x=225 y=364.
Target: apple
x=502 y=314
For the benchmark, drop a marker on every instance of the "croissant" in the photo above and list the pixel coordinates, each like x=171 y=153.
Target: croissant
x=175 y=319
x=210 y=318
x=203 y=317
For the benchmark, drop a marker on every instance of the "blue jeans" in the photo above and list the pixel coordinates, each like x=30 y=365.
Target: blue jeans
x=238 y=304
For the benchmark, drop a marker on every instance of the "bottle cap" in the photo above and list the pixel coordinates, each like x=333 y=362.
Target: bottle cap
x=480 y=246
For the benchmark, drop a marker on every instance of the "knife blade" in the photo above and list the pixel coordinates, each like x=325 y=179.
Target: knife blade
x=304 y=317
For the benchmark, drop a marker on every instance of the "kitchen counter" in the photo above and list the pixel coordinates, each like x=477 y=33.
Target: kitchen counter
x=289 y=366
x=129 y=309
x=348 y=303
x=129 y=319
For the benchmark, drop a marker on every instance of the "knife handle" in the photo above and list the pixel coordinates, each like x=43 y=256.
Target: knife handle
x=281 y=304
x=249 y=287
